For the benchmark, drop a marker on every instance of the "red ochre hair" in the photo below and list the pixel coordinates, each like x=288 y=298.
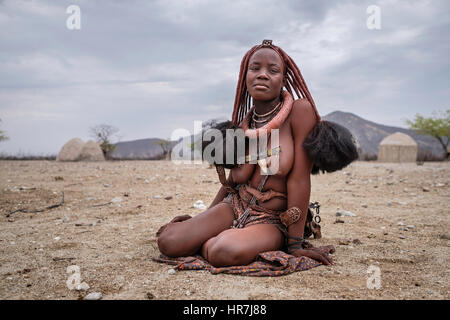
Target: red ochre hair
x=294 y=83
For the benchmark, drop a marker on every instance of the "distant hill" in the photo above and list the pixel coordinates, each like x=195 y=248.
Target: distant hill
x=149 y=149
x=138 y=149
x=370 y=134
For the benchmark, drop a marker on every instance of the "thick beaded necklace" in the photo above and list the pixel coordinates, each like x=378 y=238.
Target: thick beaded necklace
x=277 y=118
x=264 y=118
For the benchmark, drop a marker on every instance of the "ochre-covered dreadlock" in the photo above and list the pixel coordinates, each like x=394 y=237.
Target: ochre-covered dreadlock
x=294 y=82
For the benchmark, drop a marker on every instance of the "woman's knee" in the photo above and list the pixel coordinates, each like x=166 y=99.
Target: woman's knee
x=171 y=244
x=165 y=244
x=223 y=254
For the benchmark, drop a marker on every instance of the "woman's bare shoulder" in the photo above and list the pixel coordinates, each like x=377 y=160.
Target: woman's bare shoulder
x=302 y=117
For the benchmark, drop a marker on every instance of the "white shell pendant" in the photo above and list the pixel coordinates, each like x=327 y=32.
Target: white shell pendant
x=263 y=164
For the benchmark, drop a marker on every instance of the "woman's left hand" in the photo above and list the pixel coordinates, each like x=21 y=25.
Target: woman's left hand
x=320 y=254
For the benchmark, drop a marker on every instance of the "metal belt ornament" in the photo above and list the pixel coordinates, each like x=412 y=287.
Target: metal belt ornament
x=240 y=222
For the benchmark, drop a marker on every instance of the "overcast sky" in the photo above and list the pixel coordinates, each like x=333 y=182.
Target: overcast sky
x=150 y=67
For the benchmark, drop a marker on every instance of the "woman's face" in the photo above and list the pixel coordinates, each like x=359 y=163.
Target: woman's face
x=265 y=75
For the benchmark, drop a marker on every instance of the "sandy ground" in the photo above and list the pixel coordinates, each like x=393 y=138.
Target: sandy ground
x=113 y=243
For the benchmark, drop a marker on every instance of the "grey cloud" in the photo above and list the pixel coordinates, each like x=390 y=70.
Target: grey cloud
x=149 y=67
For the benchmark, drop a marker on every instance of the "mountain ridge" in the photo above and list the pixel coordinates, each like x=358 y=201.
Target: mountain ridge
x=369 y=135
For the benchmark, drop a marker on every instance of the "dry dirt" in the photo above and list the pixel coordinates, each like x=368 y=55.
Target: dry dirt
x=113 y=243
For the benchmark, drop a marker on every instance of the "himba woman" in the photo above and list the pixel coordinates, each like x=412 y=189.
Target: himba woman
x=268 y=79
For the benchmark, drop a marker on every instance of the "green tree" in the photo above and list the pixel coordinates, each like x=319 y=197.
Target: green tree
x=437 y=126
x=102 y=133
x=166 y=146
x=3 y=135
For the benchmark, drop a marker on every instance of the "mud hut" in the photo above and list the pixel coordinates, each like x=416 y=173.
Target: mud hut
x=71 y=150
x=397 y=147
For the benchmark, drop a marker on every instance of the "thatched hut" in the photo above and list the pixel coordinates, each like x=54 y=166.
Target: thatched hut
x=91 y=151
x=397 y=147
x=76 y=150
x=71 y=150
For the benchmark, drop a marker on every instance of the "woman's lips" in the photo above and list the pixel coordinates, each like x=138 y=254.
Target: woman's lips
x=260 y=87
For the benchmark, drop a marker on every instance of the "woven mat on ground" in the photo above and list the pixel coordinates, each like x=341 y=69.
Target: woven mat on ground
x=267 y=264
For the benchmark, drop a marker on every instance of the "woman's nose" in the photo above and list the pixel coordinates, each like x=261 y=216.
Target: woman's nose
x=262 y=75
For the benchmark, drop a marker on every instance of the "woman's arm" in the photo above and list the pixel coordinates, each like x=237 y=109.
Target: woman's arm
x=237 y=175
x=219 y=197
x=222 y=191
x=298 y=182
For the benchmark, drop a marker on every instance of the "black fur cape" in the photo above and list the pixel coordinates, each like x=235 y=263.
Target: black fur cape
x=330 y=145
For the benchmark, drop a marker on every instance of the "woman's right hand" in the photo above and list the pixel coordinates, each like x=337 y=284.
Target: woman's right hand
x=176 y=219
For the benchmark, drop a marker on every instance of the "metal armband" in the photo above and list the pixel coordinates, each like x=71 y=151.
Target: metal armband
x=290 y=216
